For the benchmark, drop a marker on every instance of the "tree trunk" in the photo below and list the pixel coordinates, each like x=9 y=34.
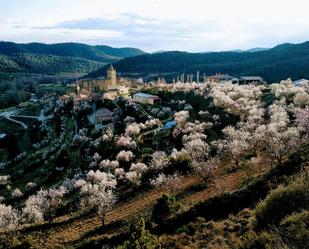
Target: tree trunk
x=102 y=218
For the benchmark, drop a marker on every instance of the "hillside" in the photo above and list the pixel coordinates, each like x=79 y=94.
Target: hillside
x=62 y=57
x=280 y=62
x=231 y=173
x=46 y=64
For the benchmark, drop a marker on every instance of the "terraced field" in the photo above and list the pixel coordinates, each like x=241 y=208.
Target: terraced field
x=70 y=233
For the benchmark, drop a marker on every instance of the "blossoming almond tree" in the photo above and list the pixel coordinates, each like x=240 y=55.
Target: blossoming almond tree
x=181 y=117
x=136 y=172
x=108 y=135
x=44 y=204
x=164 y=182
x=205 y=169
x=280 y=141
x=197 y=149
x=9 y=218
x=125 y=156
x=236 y=143
x=127 y=142
x=103 y=201
x=159 y=160
x=97 y=192
x=132 y=130
x=108 y=164
x=302 y=122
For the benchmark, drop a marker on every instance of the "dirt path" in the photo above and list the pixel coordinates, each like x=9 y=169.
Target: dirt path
x=226 y=183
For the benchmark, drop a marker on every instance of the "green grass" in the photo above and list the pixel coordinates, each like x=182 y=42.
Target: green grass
x=7 y=126
x=33 y=109
x=59 y=88
x=7 y=109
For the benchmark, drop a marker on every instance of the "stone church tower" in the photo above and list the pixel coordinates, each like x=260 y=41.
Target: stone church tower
x=111 y=76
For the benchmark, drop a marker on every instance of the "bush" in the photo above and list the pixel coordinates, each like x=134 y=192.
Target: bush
x=282 y=202
x=294 y=230
x=140 y=238
x=263 y=240
x=166 y=206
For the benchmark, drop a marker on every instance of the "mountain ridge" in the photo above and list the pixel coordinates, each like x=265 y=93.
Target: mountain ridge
x=281 y=62
x=21 y=57
x=84 y=51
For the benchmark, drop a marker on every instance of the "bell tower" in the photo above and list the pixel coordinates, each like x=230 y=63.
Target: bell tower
x=111 y=75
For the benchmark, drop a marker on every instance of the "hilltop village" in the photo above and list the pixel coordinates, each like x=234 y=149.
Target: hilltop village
x=86 y=91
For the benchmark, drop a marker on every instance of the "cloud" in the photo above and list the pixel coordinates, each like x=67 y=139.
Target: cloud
x=27 y=33
x=132 y=24
x=144 y=32
x=127 y=29
x=195 y=25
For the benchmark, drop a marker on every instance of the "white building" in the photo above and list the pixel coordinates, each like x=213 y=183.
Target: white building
x=144 y=98
x=301 y=82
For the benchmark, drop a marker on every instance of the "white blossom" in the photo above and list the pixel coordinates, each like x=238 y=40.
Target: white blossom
x=132 y=130
x=127 y=142
x=139 y=167
x=4 y=179
x=159 y=160
x=205 y=169
x=108 y=164
x=133 y=177
x=164 y=181
x=125 y=156
x=197 y=150
x=120 y=173
x=203 y=114
x=43 y=204
x=105 y=179
x=17 y=193
x=181 y=117
x=108 y=135
x=9 y=218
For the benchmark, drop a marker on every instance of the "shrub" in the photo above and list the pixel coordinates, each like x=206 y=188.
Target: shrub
x=294 y=229
x=140 y=238
x=166 y=206
x=263 y=240
x=281 y=202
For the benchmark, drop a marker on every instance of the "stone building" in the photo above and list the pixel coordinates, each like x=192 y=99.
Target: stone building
x=100 y=84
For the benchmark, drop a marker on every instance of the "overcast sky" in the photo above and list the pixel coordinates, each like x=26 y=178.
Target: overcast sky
x=152 y=25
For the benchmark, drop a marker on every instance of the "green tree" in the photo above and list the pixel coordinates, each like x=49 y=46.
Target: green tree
x=140 y=238
x=166 y=206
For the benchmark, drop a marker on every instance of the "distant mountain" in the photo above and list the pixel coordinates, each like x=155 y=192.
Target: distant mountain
x=280 y=62
x=252 y=50
x=159 y=51
x=32 y=57
x=256 y=49
x=46 y=64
